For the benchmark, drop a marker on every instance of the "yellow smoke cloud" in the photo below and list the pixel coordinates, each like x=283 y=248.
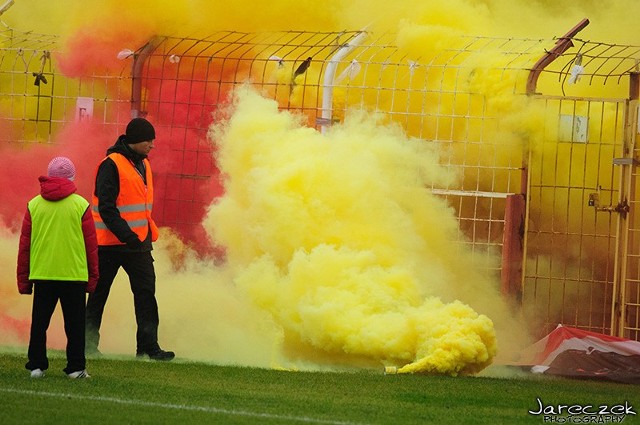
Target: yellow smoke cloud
x=338 y=238
x=611 y=20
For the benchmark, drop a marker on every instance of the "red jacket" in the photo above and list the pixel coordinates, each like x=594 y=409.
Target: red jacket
x=52 y=189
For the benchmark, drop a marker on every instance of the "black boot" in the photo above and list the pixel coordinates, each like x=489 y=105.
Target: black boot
x=158 y=354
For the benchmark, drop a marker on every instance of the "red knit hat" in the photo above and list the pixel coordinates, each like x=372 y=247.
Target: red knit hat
x=61 y=166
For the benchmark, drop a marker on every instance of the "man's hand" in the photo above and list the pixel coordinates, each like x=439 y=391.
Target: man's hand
x=134 y=243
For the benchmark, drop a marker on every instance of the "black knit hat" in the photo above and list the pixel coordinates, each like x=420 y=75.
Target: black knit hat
x=139 y=130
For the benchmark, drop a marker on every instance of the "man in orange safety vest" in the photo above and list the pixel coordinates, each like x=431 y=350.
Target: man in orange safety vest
x=121 y=206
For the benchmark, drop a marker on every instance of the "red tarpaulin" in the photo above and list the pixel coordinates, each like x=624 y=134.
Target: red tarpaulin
x=575 y=353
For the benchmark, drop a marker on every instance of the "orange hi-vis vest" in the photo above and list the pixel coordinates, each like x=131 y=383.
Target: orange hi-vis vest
x=134 y=201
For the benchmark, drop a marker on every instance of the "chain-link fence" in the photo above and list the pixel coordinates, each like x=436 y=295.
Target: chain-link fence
x=542 y=133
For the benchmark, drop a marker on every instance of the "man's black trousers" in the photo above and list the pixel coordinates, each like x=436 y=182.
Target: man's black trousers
x=142 y=279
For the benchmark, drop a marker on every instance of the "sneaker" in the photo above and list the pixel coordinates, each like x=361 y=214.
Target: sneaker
x=79 y=374
x=37 y=373
x=158 y=354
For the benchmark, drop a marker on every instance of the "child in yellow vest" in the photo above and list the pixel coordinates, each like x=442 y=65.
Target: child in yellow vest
x=58 y=260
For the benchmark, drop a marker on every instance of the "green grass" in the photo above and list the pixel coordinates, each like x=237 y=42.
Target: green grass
x=123 y=391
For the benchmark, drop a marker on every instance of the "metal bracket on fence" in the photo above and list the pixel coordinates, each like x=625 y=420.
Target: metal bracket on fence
x=621 y=208
x=625 y=161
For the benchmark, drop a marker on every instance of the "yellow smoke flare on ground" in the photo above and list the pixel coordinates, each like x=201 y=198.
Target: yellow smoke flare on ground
x=338 y=238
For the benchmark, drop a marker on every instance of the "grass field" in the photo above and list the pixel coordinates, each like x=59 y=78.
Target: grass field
x=128 y=391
